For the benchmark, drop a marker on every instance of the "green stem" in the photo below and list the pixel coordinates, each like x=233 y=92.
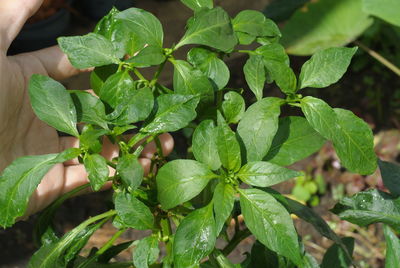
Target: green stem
x=250 y=52
x=236 y=239
x=159 y=147
x=139 y=75
x=135 y=139
x=102 y=249
x=157 y=74
x=111 y=164
x=139 y=149
x=379 y=58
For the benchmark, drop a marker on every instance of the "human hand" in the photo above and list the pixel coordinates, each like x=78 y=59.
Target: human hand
x=21 y=132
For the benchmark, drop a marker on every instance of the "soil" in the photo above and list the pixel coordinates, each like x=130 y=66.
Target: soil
x=17 y=245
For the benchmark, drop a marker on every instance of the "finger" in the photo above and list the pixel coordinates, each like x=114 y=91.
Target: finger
x=167 y=144
x=66 y=143
x=13 y=15
x=55 y=63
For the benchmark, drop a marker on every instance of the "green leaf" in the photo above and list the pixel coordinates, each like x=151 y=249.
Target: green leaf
x=233 y=107
x=211 y=66
x=276 y=62
x=255 y=75
x=191 y=81
x=197 y=5
x=115 y=88
x=223 y=200
x=267 y=219
x=204 y=144
x=228 y=146
x=354 y=143
x=89 y=109
x=99 y=76
x=136 y=106
x=98 y=171
x=179 y=181
x=307 y=214
x=222 y=260
x=258 y=127
x=384 y=9
x=244 y=38
x=210 y=27
x=328 y=23
x=280 y=11
x=195 y=237
x=148 y=56
x=369 y=207
x=335 y=256
x=264 y=174
x=254 y=23
x=130 y=170
x=89 y=50
x=65 y=250
x=320 y=116
x=20 y=179
x=326 y=67
x=114 y=251
x=294 y=141
x=144 y=27
x=262 y=257
x=391 y=176
x=392 y=248
x=174 y=112
x=132 y=212
x=90 y=140
x=52 y=103
x=146 y=252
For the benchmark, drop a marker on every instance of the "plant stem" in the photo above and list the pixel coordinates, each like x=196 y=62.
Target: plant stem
x=379 y=58
x=236 y=239
x=139 y=149
x=157 y=74
x=159 y=147
x=102 y=249
x=111 y=164
x=139 y=75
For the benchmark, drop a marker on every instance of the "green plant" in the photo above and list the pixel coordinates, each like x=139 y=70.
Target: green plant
x=240 y=151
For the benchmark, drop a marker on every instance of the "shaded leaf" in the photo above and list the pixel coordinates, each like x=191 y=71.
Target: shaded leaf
x=148 y=56
x=255 y=23
x=335 y=256
x=197 y=5
x=130 y=171
x=294 y=141
x=324 y=24
x=99 y=76
x=132 y=212
x=387 y=10
x=391 y=176
x=116 y=87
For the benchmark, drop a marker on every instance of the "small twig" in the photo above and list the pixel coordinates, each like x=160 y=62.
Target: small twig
x=379 y=58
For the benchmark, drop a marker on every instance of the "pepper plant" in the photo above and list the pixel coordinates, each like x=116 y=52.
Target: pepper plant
x=240 y=148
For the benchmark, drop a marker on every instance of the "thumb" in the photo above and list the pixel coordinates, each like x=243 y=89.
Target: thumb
x=13 y=15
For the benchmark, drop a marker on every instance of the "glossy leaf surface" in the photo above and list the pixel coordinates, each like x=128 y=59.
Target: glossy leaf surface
x=180 y=180
x=204 y=144
x=392 y=247
x=52 y=103
x=146 y=252
x=391 y=176
x=130 y=170
x=98 y=170
x=223 y=200
x=233 y=107
x=254 y=71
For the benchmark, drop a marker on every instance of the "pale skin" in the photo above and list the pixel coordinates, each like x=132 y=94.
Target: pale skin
x=21 y=132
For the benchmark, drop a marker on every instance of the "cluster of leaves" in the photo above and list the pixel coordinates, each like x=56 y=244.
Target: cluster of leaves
x=239 y=150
